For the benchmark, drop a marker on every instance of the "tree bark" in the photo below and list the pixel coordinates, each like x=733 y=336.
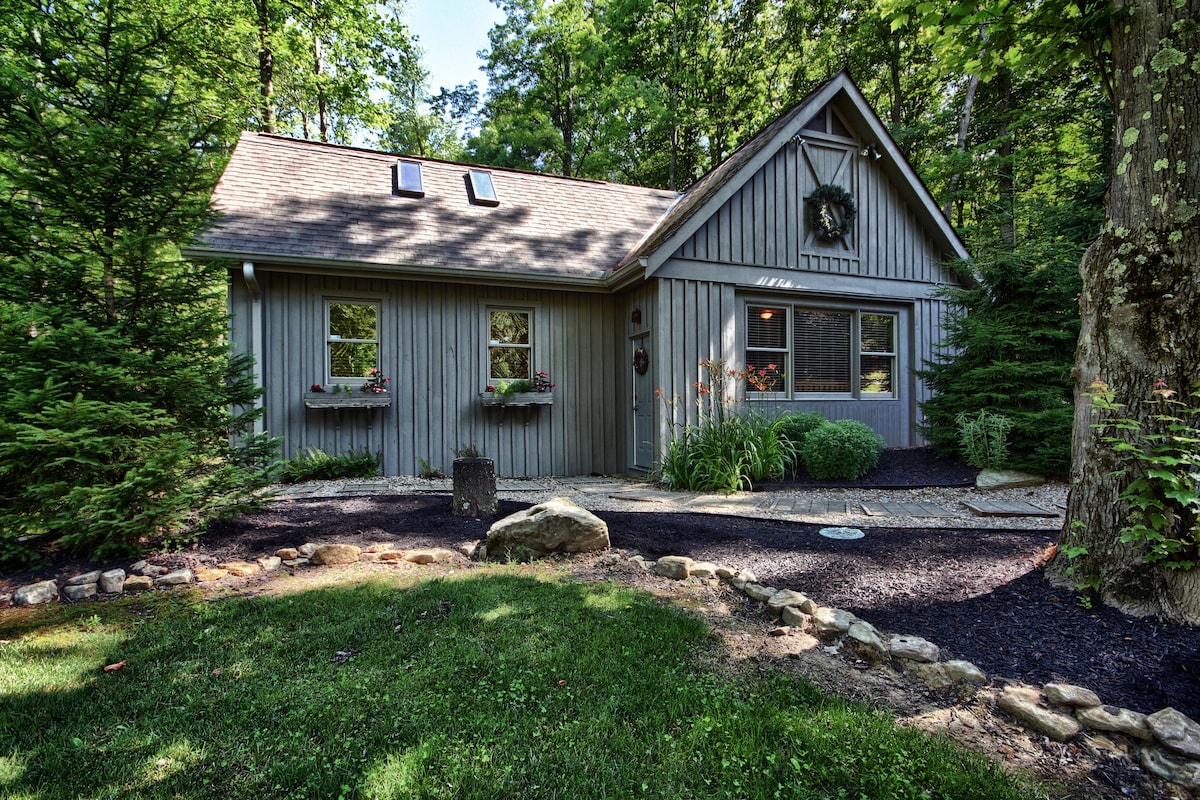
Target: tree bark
x=266 y=66
x=474 y=488
x=1140 y=304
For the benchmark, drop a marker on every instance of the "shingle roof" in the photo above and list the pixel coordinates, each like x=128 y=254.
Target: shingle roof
x=282 y=198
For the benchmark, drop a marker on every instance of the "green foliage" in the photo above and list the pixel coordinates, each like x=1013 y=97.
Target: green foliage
x=116 y=426
x=315 y=464
x=518 y=386
x=493 y=683
x=729 y=448
x=984 y=438
x=1160 y=454
x=1008 y=350
x=795 y=425
x=846 y=449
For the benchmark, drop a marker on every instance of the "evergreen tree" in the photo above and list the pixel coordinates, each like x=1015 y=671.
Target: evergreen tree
x=115 y=429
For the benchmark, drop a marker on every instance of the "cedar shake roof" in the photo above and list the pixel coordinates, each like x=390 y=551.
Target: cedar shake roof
x=284 y=200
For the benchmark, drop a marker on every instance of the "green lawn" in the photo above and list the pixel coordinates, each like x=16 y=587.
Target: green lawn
x=505 y=682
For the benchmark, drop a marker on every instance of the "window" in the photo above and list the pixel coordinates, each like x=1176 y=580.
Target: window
x=510 y=345
x=352 y=339
x=407 y=177
x=483 y=191
x=820 y=351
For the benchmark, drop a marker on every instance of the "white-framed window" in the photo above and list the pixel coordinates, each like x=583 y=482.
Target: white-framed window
x=510 y=344
x=351 y=339
x=823 y=352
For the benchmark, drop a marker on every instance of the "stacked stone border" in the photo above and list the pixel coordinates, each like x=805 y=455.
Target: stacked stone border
x=1167 y=741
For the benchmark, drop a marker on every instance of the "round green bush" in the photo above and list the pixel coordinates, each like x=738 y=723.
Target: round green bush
x=846 y=449
x=795 y=425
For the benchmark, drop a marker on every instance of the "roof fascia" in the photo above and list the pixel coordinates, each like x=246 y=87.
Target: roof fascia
x=265 y=262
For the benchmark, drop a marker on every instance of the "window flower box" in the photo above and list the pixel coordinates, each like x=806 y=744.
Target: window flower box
x=322 y=400
x=517 y=399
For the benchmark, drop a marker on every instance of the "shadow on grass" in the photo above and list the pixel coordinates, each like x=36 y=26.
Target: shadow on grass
x=490 y=684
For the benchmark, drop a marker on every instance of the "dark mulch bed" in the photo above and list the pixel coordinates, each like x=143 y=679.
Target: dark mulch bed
x=978 y=594
x=898 y=468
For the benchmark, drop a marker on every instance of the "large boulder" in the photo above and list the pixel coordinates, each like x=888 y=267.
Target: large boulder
x=556 y=526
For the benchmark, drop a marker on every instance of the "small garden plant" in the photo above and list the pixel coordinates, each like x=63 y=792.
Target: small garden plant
x=984 y=438
x=843 y=450
x=315 y=464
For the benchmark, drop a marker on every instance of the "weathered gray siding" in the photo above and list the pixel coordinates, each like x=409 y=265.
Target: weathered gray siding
x=765 y=223
x=433 y=348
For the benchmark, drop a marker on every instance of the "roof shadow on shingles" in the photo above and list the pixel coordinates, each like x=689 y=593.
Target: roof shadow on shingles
x=327 y=233
x=286 y=198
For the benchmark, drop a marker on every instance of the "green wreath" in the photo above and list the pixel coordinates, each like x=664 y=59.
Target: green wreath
x=820 y=214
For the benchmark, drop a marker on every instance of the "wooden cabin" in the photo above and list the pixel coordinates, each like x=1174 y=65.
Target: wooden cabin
x=814 y=247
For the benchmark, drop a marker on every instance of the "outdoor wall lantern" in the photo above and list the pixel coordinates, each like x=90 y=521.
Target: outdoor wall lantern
x=636 y=316
x=871 y=150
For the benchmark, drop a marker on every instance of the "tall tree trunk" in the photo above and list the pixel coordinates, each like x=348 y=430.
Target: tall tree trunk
x=266 y=66
x=1141 y=300
x=319 y=74
x=964 y=129
x=1006 y=169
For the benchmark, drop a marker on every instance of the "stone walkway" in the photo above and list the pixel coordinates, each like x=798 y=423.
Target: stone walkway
x=933 y=507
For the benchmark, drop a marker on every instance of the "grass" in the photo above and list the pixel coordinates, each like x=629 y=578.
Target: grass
x=505 y=682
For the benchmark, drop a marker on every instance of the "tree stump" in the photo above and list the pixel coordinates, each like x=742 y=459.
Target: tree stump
x=474 y=488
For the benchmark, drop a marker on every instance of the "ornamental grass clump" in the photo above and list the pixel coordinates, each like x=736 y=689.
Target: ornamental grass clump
x=984 y=438
x=315 y=464
x=843 y=450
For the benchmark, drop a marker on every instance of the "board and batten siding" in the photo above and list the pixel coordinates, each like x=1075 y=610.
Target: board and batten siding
x=758 y=245
x=433 y=348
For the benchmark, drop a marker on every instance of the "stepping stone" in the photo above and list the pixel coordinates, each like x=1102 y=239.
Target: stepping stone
x=648 y=496
x=1007 y=508
x=875 y=509
x=520 y=486
x=805 y=505
x=722 y=502
x=363 y=487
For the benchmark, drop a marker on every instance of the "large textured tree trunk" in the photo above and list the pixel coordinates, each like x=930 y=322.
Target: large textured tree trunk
x=1141 y=299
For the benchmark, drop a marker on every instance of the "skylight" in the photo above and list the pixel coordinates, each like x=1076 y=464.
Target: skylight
x=407 y=179
x=483 y=191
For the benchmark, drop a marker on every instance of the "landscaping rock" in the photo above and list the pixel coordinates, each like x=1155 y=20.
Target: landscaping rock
x=331 y=554
x=428 y=556
x=1120 y=720
x=674 y=567
x=391 y=555
x=556 y=526
x=305 y=550
x=795 y=617
x=641 y=563
x=180 y=577
x=1023 y=703
x=112 y=581
x=370 y=557
x=756 y=591
x=991 y=479
x=1176 y=731
x=35 y=594
x=831 y=620
x=138 y=583
x=740 y=580
x=153 y=571
x=85 y=578
x=866 y=640
x=269 y=563
x=783 y=599
x=913 y=648
x=136 y=567
x=295 y=562
x=241 y=569
x=79 y=591
x=210 y=574
x=725 y=573
x=959 y=670
x=935 y=676
x=1172 y=768
x=1066 y=694
x=287 y=553
x=704 y=569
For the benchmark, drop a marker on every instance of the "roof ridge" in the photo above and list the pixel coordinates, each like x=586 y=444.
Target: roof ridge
x=277 y=138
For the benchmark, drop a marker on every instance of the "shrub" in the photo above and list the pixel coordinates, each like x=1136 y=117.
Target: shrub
x=316 y=465
x=984 y=438
x=796 y=425
x=846 y=449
